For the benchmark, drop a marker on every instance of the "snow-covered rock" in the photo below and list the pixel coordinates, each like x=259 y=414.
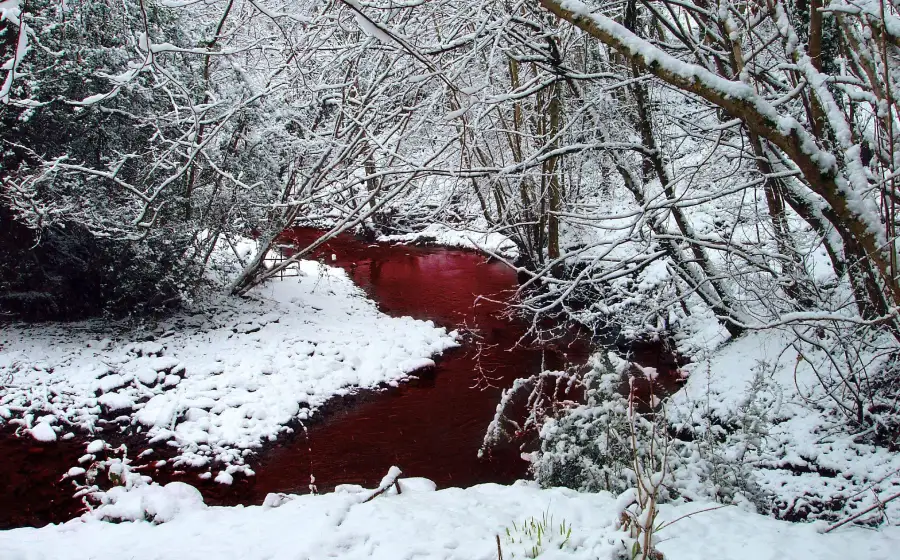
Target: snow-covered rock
x=43 y=431
x=150 y=502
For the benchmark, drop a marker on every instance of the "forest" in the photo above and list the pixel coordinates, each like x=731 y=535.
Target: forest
x=654 y=242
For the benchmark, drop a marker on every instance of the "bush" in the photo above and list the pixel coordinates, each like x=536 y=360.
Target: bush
x=71 y=274
x=591 y=448
x=588 y=448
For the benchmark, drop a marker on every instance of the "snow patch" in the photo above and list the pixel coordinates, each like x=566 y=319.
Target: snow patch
x=439 y=234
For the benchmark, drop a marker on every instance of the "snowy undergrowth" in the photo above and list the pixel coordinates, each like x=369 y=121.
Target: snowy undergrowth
x=421 y=523
x=766 y=415
x=213 y=383
x=753 y=426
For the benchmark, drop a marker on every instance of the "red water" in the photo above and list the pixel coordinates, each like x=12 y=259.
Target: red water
x=434 y=426
x=431 y=427
x=31 y=492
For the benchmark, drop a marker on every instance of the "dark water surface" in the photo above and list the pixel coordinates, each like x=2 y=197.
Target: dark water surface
x=433 y=426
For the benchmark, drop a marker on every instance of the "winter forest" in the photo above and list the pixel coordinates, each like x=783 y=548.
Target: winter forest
x=450 y=279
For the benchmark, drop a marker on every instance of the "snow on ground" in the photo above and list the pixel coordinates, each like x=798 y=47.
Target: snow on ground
x=218 y=383
x=420 y=523
x=771 y=414
x=439 y=234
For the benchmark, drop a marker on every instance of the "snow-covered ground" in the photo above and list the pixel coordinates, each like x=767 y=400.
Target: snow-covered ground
x=217 y=383
x=439 y=234
x=421 y=523
x=771 y=416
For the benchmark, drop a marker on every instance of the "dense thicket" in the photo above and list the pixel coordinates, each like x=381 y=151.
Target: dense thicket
x=772 y=123
x=655 y=162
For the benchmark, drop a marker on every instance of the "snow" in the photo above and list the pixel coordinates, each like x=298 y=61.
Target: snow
x=75 y=471
x=371 y=29
x=773 y=416
x=172 y=522
x=439 y=234
x=453 y=115
x=224 y=478
x=368 y=26
x=155 y=503
x=92 y=99
x=214 y=382
x=43 y=431
x=10 y=11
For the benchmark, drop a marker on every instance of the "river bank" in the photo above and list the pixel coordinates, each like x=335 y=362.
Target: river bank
x=208 y=387
x=455 y=523
x=270 y=394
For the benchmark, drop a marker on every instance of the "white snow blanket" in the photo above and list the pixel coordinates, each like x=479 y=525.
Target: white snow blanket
x=217 y=384
x=439 y=234
x=784 y=428
x=420 y=523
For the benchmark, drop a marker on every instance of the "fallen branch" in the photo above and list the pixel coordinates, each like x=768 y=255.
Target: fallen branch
x=878 y=505
x=390 y=479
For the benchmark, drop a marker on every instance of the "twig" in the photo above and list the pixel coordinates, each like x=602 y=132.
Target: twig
x=860 y=514
x=685 y=516
x=390 y=480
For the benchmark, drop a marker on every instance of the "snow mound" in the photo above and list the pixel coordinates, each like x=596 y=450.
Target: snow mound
x=151 y=502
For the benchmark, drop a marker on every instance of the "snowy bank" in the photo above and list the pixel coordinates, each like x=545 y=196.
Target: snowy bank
x=439 y=234
x=772 y=419
x=420 y=523
x=213 y=384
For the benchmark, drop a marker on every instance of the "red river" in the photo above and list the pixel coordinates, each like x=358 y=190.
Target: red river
x=431 y=427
